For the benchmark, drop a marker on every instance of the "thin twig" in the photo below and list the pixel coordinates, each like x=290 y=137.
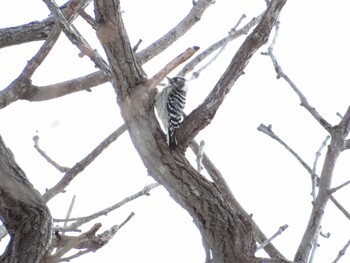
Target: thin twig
x=80 y=166
x=82 y=220
x=219 y=44
x=333 y=190
x=195 y=74
x=234 y=29
x=342 y=252
x=280 y=74
x=314 y=177
x=72 y=242
x=89 y=19
x=315 y=246
x=340 y=207
x=231 y=36
x=60 y=168
x=69 y=212
x=175 y=33
x=127 y=220
x=279 y=232
x=268 y=130
x=135 y=48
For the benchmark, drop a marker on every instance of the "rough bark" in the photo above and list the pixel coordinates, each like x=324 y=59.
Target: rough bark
x=25 y=216
x=34 y=31
x=226 y=234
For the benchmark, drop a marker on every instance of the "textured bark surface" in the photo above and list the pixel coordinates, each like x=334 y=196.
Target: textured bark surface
x=226 y=234
x=24 y=214
x=34 y=31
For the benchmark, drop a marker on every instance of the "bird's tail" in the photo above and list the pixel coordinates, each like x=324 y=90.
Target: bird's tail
x=172 y=139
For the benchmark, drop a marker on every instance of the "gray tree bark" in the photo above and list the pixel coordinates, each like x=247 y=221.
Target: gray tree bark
x=226 y=234
x=22 y=211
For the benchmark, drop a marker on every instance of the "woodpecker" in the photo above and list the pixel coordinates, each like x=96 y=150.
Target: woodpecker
x=170 y=103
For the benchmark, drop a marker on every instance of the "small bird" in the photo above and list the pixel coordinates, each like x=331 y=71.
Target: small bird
x=170 y=103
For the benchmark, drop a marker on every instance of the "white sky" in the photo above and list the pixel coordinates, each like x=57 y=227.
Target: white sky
x=312 y=48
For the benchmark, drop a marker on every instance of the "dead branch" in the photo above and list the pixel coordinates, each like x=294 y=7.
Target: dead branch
x=199 y=118
x=60 y=89
x=85 y=243
x=303 y=101
x=80 y=166
x=77 y=39
x=333 y=190
x=60 y=168
x=268 y=131
x=83 y=220
x=340 y=207
x=175 y=33
x=69 y=212
x=342 y=252
x=233 y=34
x=279 y=232
x=314 y=177
x=153 y=82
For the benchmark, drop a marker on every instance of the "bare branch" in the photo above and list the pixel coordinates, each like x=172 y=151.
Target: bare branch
x=315 y=246
x=175 y=33
x=204 y=113
x=60 y=168
x=314 y=177
x=340 y=207
x=69 y=212
x=153 y=82
x=80 y=166
x=66 y=87
x=268 y=131
x=20 y=88
x=279 y=232
x=93 y=243
x=72 y=242
x=341 y=252
x=233 y=34
x=333 y=190
x=280 y=74
x=136 y=47
x=82 y=220
x=77 y=39
x=88 y=18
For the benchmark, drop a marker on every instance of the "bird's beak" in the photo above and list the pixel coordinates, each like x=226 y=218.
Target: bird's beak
x=169 y=79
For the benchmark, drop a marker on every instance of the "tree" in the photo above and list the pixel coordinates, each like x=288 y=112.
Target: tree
x=228 y=232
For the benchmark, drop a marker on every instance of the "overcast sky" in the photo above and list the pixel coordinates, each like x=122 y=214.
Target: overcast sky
x=312 y=48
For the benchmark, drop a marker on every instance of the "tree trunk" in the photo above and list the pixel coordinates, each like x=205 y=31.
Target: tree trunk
x=22 y=211
x=227 y=236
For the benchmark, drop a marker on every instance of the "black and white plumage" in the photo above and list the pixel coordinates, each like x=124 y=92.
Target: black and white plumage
x=170 y=103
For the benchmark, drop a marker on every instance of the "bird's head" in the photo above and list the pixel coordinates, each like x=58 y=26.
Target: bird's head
x=178 y=82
